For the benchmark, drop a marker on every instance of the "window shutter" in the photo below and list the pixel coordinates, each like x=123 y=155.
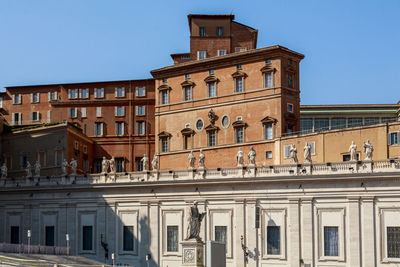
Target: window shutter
x=19 y=118
x=389 y=140
x=144 y=110
x=56 y=95
x=101 y=129
x=31 y=114
x=136 y=110
x=123 y=111
x=116 y=111
x=83 y=112
x=398 y=137
x=122 y=128
x=13 y=118
x=31 y=97
x=49 y=96
x=79 y=93
x=102 y=92
x=95 y=92
x=76 y=112
x=123 y=91
x=48 y=116
x=136 y=91
x=116 y=92
x=69 y=93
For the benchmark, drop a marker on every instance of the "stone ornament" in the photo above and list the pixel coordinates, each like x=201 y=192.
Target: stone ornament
x=353 y=151
x=189 y=255
x=202 y=159
x=64 y=166
x=194 y=222
x=145 y=161
x=240 y=158
x=154 y=163
x=113 y=167
x=368 y=150
x=74 y=166
x=252 y=157
x=28 y=170
x=104 y=165
x=307 y=153
x=4 y=171
x=293 y=154
x=37 y=168
x=212 y=116
x=192 y=159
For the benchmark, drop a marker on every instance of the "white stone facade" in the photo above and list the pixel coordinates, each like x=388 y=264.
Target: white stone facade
x=359 y=200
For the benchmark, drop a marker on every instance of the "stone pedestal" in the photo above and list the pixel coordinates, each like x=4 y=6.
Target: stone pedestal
x=192 y=253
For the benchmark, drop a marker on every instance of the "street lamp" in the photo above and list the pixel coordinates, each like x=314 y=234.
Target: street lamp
x=113 y=258
x=67 y=238
x=29 y=241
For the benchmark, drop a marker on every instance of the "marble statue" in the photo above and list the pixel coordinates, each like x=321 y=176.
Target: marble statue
x=37 y=168
x=307 y=153
x=202 y=159
x=104 y=165
x=74 y=166
x=64 y=166
x=192 y=159
x=194 y=222
x=145 y=161
x=368 y=149
x=240 y=158
x=252 y=156
x=28 y=170
x=353 y=151
x=4 y=171
x=154 y=163
x=293 y=154
x=113 y=168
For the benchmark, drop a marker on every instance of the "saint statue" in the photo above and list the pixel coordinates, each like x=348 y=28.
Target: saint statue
x=353 y=151
x=368 y=149
x=252 y=156
x=4 y=171
x=194 y=222
x=240 y=158
x=202 y=158
x=64 y=166
x=113 y=168
x=192 y=159
x=145 y=161
x=37 y=168
x=307 y=153
x=154 y=163
x=28 y=170
x=293 y=154
x=104 y=165
x=74 y=166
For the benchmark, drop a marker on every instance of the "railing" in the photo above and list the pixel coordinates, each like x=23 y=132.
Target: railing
x=379 y=166
x=32 y=249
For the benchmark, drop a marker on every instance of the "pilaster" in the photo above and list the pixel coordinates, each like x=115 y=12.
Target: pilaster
x=154 y=224
x=307 y=231
x=238 y=231
x=251 y=235
x=368 y=231
x=294 y=233
x=354 y=232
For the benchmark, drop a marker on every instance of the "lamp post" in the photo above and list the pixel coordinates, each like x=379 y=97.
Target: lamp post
x=29 y=241
x=113 y=258
x=67 y=239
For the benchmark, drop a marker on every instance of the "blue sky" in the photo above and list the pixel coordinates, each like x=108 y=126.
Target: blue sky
x=351 y=48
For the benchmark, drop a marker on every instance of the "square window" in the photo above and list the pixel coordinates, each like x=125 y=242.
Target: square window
x=393 y=138
x=119 y=111
x=338 y=123
x=239 y=66
x=73 y=93
x=52 y=96
x=273 y=240
x=140 y=110
x=321 y=124
x=35 y=98
x=128 y=238
x=172 y=238
x=35 y=116
x=120 y=92
x=290 y=108
x=98 y=92
x=222 y=52
x=141 y=91
x=84 y=93
x=17 y=99
x=187 y=76
x=201 y=54
x=331 y=241
x=211 y=72
x=164 y=80
x=354 y=122
x=268 y=154
x=73 y=112
x=306 y=125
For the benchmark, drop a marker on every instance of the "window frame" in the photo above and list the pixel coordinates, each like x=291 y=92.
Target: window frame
x=16 y=99
x=119 y=92
x=96 y=125
x=139 y=127
x=35 y=98
x=119 y=128
x=140 y=91
x=187 y=89
x=98 y=92
x=209 y=135
x=271 y=81
x=201 y=54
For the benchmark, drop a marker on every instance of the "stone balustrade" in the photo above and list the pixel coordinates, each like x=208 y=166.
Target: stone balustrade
x=299 y=170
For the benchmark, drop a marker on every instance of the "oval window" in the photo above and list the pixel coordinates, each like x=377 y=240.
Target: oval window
x=199 y=124
x=225 y=121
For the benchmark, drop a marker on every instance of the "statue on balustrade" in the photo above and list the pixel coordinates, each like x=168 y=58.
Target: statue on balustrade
x=293 y=154
x=104 y=165
x=240 y=158
x=28 y=170
x=202 y=159
x=113 y=168
x=154 y=163
x=192 y=160
x=368 y=149
x=307 y=153
x=4 y=171
x=37 y=168
x=74 y=166
x=64 y=166
x=145 y=161
x=194 y=222
x=353 y=151
x=252 y=156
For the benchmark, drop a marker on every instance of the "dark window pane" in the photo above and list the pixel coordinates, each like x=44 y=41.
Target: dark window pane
x=273 y=240
x=353 y=122
x=87 y=237
x=321 y=124
x=220 y=234
x=128 y=238
x=331 y=241
x=338 y=123
x=371 y=120
x=172 y=238
x=14 y=235
x=306 y=125
x=49 y=236
x=393 y=242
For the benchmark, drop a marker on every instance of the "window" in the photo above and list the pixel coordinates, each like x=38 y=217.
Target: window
x=59 y=157
x=164 y=144
x=338 y=123
x=212 y=138
x=220 y=234
x=187 y=93
x=371 y=120
x=239 y=134
x=16 y=118
x=1 y=102
x=268 y=154
x=290 y=81
x=141 y=91
x=164 y=97
x=87 y=237
x=97 y=165
x=388 y=119
x=306 y=125
x=354 y=122
x=187 y=76
x=83 y=112
x=52 y=96
x=139 y=164
x=211 y=72
x=164 y=80
x=331 y=241
x=49 y=236
x=73 y=112
x=287 y=151
x=119 y=111
x=84 y=93
x=268 y=61
x=98 y=129
x=34 y=116
x=321 y=124
x=73 y=93
x=290 y=108
x=119 y=162
x=140 y=110
x=393 y=138
x=202 y=54
x=41 y=156
x=222 y=52
x=17 y=99
x=211 y=89
x=98 y=111
x=220 y=31
x=268 y=131
x=225 y=121
x=202 y=31
x=35 y=97
x=128 y=238
x=98 y=92
x=239 y=84
x=86 y=165
x=268 y=80
x=140 y=127
x=119 y=128
x=393 y=242
x=120 y=92
x=14 y=238
x=172 y=238
x=273 y=240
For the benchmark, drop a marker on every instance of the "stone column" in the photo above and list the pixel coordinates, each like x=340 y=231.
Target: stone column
x=251 y=233
x=144 y=235
x=294 y=233
x=154 y=221
x=354 y=232
x=238 y=231
x=307 y=231
x=368 y=232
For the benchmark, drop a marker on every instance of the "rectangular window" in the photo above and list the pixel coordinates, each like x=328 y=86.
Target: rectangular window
x=306 y=125
x=371 y=120
x=201 y=54
x=139 y=164
x=84 y=93
x=239 y=84
x=59 y=157
x=211 y=89
x=164 y=144
x=98 y=112
x=239 y=135
x=87 y=237
x=52 y=96
x=187 y=93
x=119 y=162
x=140 y=110
x=268 y=131
x=83 y=112
x=164 y=97
x=393 y=138
x=72 y=93
x=287 y=151
x=16 y=118
x=73 y=112
x=393 y=242
x=222 y=52
x=268 y=154
x=128 y=238
x=98 y=92
x=273 y=240
x=172 y=238
x=119 y=111
x=211 y=138
x=140 y=127
x=202 y=31
x=220 y=31
x=268 y=80
x=49 y=236
x=388 y=119
x=98 y=129
x=35 y=97
x=220 y=234
x=97 y=165
x=119 y=128
x=354 y=122
x=331 y=241
x=14 y=238
x=34 y=116
x=290 y=108
x=141 y=91
x=338 y=123
x=120 y=92
x=290 y=81
x=17 y=99
x=321 y=124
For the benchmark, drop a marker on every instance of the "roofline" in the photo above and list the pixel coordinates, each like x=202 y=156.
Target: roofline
x=179 y=54
x=59 y=84
x=190 y=16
